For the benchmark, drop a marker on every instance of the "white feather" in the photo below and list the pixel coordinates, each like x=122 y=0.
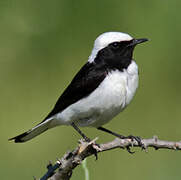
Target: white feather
x=111 y=97
x=105 y=39
x=106 y=101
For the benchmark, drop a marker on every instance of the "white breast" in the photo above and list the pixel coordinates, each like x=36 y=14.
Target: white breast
x=111 y=97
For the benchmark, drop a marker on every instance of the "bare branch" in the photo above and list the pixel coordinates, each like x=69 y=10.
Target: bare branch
x=72 y=159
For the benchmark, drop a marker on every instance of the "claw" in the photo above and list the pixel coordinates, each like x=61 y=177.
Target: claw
x=137 y=139
x=91 y=143
x=87 y=139
x=95 y=154
x=96 y=148
x=129 y=150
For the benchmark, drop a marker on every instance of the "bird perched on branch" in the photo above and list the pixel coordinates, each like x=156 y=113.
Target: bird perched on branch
x=101 y=89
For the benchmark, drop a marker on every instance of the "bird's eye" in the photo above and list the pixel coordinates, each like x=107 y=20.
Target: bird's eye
x=115 y=44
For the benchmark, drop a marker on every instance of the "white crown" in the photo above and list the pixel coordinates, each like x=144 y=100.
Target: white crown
x=105 y=39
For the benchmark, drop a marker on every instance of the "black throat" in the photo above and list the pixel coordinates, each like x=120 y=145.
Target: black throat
x=116 y=56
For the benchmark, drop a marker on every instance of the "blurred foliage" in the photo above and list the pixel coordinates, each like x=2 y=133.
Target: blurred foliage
x=44 y=43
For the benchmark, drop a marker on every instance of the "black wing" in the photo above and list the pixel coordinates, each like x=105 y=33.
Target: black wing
x=84 y=83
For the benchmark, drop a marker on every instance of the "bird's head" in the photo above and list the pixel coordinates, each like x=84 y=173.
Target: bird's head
x=114 y=49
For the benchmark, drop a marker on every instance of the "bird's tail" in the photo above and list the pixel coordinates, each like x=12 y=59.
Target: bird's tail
x=26 y=136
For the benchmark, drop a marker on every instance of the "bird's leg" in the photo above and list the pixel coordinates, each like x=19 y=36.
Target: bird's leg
x=85 y=138
x=80 y=132
x=138 y=139
x=110 y=132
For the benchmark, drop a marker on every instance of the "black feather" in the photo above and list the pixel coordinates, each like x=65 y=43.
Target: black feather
x=18 y=139
x=92 y=74
x=84 y=83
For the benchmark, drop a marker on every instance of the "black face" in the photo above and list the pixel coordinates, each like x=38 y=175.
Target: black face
x=117 y=55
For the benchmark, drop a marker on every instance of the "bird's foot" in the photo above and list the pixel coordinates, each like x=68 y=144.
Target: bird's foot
x=87 y=143
x=134 y=138
x=86 y=139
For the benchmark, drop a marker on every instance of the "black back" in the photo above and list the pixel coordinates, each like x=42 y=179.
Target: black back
x=86 y=80
x=116 y=56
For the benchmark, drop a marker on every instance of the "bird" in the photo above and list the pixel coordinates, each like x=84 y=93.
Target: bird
x=101 y=89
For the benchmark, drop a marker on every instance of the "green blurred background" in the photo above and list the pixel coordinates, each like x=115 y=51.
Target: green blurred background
x=44 y=43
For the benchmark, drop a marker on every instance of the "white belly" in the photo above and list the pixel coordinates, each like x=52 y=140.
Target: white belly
x=111 y=97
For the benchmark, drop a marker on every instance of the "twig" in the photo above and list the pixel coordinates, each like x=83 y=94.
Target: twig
x=72 y=159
